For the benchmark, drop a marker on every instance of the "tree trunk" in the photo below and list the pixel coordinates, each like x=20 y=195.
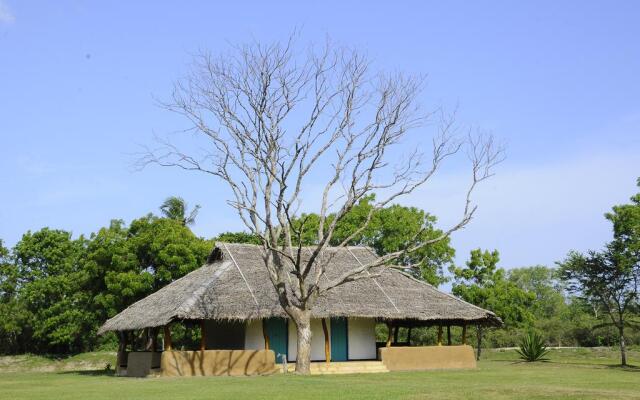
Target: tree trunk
x=623 y=348
x=479 y=343
x=302 y=320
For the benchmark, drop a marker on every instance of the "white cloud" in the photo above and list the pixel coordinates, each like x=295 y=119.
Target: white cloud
x=6 y=16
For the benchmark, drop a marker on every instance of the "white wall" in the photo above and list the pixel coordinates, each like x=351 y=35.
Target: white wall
x=317 y=340
x=362 y=339
x=253 y=337
x=361 y=336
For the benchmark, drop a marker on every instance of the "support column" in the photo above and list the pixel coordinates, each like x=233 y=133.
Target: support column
x=145 y=339
x=122 y=352
x=130 y=338
x=448 y=335
x=167 y=338
x=464 y=334
x=395 y=335
x=203 y=336
x=439 y=335
x=265 y=335
x=327 y=343
x=409 y=337
x=390 y=328
x=479 y=349
x=153 y=341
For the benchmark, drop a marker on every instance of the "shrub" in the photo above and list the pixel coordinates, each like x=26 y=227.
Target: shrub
x=532 y=348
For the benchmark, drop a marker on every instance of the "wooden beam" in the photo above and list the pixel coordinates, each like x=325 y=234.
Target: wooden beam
x=264 y=334
x=395 y=335
x=439 y=335
x=390 y=328
x=448 y=335
x=409 y=337
x=464 y=334
x=203 y=336
x=327 y=343
x=167 y=338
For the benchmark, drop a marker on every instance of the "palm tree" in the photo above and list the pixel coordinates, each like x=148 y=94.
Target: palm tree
x=175 y=207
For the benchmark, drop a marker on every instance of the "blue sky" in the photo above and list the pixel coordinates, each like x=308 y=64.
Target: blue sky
x=556 y=81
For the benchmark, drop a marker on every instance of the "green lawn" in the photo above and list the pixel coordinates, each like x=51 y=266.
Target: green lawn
x=571 y=374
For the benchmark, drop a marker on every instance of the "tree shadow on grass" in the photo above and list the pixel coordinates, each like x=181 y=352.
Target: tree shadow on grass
x=627 y=368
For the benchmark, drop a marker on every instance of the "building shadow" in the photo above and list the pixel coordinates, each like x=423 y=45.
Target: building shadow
x=92 y=372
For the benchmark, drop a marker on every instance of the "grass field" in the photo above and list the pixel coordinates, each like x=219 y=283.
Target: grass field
x=571 y=374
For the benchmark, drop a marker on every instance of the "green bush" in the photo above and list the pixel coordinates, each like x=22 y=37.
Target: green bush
x=532 y=348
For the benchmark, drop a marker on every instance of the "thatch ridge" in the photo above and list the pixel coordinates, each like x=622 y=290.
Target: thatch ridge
x=234 y=285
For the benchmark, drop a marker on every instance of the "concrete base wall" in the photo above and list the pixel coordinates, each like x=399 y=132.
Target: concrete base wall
x=427 y=357
x=218 y=362
x=140 y=363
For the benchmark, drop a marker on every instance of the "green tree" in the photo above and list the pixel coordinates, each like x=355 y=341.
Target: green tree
x=129 y=263
x=550 y=309
x=391 y=229
x=175 y=207
x=51 y=281
x=238 y=237
x=626 y=226
x=12 y=313
x=482 y=283
x=55 y=291
x=610 y=277
x=8 y=274
x=544 y=284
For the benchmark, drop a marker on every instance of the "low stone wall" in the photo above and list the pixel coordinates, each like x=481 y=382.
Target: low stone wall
x=427 y=357
x=218 y=362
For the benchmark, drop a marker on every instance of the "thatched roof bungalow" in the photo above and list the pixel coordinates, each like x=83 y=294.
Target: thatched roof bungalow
x=233 y=298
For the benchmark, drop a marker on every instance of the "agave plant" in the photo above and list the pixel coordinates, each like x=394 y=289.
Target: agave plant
x=532 y=348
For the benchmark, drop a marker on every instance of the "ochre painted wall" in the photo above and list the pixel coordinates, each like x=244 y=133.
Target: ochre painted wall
x=427 y=357
x=218 y=362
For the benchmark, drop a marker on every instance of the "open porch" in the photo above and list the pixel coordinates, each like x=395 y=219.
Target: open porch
x=268 y=346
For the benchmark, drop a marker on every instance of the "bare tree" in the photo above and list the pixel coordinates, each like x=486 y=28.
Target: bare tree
x=275 y=119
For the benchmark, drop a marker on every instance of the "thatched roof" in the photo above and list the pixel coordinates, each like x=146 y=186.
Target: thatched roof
x=234 y=285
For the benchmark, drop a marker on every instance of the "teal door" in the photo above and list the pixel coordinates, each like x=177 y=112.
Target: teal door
x=339 y=344
x=278 y=336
